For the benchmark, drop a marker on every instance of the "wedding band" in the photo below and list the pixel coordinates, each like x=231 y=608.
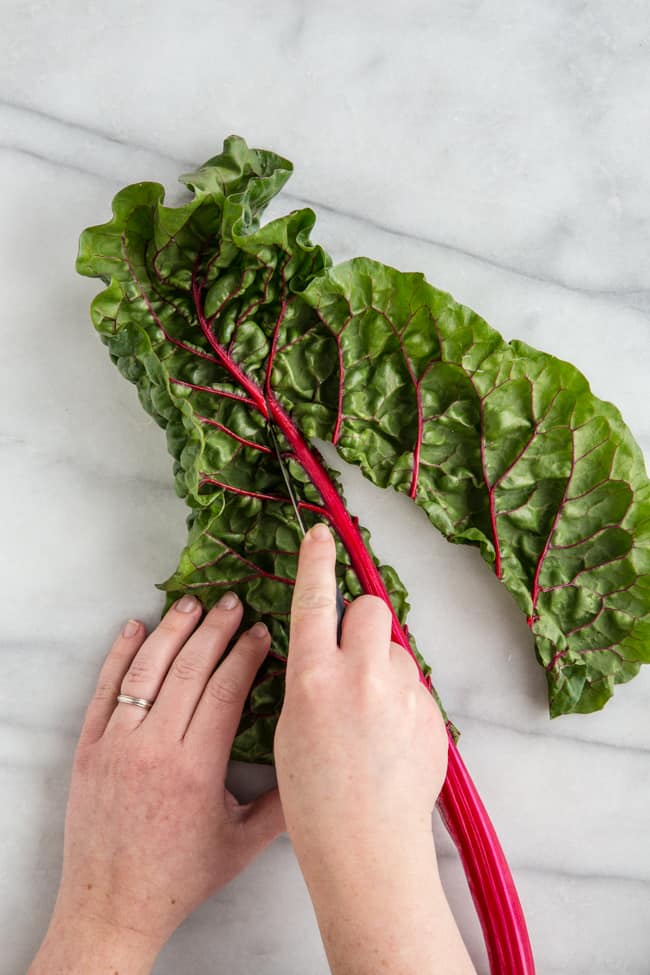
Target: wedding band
x=140 y=702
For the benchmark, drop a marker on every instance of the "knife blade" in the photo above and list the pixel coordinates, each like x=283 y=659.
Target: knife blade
x=340 y=602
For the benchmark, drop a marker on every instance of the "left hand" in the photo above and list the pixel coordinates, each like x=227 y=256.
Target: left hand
x=151 y=830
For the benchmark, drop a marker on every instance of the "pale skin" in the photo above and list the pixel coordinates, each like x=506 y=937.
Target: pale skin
x=360 y=752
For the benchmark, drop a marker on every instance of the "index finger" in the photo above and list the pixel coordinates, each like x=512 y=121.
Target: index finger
x=312 y=628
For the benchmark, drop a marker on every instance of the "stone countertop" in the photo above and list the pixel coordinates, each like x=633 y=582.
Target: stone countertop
x=500 y=148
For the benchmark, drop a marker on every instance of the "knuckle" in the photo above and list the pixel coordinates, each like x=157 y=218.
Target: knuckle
x=311 y=683
x=121 y=650
x=224 y=690
x=215 y=632
x=173 y=623
x=105 y=690
x=187 y=667
x=167 y=625
x=250 y=648
x=223 y=616
x=138 y=673
x=373 y=688
x=312 y=597
x=216 y=627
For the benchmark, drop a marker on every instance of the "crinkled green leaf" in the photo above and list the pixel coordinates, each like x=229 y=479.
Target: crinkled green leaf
x=242 y=534
x=504 y=447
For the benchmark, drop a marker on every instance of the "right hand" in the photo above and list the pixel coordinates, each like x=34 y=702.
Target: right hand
x=361 y=745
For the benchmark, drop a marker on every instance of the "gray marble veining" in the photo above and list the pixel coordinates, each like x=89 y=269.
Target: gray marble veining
x=500 y=148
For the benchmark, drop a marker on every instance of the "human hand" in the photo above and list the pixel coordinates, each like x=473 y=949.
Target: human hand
x=151 y=830
x=361 y=746
x=361 y=755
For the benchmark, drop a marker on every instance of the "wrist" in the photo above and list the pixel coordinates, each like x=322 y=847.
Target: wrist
x=77 y=943
x=384 y=908
x=359 y=843
x=345 y=866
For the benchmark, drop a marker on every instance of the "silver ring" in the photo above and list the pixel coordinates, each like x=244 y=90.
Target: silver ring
x=140 y=702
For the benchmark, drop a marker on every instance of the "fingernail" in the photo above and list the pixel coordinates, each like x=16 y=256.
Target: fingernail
x=259 y=630
x=320 y=532
x=130 y=628
x=187 y=604
x=229 y=600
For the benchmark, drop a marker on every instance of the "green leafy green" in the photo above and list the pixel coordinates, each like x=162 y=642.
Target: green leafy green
x=225 y=325
x=504 y=447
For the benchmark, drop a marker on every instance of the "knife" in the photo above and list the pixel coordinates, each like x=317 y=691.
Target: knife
x=340 y=602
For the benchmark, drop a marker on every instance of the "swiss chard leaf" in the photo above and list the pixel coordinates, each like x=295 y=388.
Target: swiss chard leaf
x=504 y=447
x=177 y=277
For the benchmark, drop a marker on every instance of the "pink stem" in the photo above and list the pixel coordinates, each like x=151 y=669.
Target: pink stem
x=488 y=875
x=489 y=878
x=342 y=522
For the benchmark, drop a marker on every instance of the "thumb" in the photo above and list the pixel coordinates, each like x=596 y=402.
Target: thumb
x=263 y=819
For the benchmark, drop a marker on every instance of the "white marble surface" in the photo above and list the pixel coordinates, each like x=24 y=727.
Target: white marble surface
x=503 y=149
